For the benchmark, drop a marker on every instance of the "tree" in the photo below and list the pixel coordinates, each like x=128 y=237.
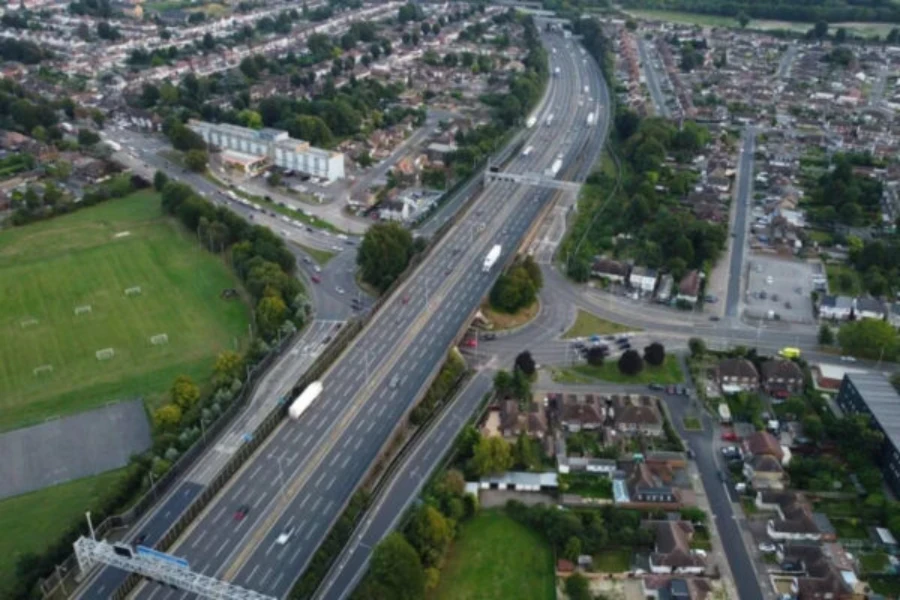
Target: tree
x=595 y=356
x=742 y=19
x=826 y=336
x=840 y=36
x=229 y=365
x=631 y=363
x=813 y=427
x=655 y=354
x=274 y=179
x=820 y=30
x=384 y=254
x=196 y=160
x=160 y=180
x=492 y=455
x=697 y=347
x=573 y=549
x=868 y=338
x=430 y=533
x=270 y=314
x=167 y=416
x=86 y=137
x=577 y=587
x=396 y=571
x=525 y=363
x=250 y=118
x=524 y=454
x=184 y=392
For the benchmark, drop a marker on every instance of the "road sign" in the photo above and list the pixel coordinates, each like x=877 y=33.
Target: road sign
x=151 y=553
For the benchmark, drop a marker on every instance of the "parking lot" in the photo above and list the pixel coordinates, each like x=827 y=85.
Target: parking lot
x=780 y=287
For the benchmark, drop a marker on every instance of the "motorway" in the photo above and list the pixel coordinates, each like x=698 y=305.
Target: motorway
x=278 y=381
x=307 y=469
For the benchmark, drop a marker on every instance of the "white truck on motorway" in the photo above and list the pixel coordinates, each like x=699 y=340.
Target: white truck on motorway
x=549 y=120
x=554 y=168
x=491 y=259
x=303 y=401
x=527 y=150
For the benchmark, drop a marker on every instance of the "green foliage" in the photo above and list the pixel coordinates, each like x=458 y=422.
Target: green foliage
x=160 y=179
x=842 y=196
x=441 y=389
x=525 y=363
x=655 y=354
x=821 y=14
x=491 y=455
x=430 y=533
x=826 y=335
x=517 y=288
x=577 y=586
x=869 y=338
x=384 y=254
x=631 y=363
x=196 y=160
x=512 y=385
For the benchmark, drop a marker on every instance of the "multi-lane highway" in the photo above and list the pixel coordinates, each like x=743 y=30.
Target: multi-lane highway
x=303 y=474
x=277 y=382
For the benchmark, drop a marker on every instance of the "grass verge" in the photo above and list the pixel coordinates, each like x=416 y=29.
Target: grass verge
x=320 y=256
x=480 y=565
x=667 y=373
x=613 y=561
x=503 y=321
x=587 y=324
x=692 y=424
x=31 y=522
x=87 y=260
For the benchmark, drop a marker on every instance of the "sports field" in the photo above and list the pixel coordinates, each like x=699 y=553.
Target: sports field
x=84 y=263
x=482 y=564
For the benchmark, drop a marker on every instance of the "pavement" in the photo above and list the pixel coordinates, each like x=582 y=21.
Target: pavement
x=306 y=471
x=278 y=381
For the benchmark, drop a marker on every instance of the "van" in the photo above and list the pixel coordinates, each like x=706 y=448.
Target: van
x=395 y=381
x=285 y=536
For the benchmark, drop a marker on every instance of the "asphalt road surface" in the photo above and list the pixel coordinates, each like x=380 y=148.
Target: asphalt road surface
x=305 y=472
x=279 y=380
x=739 y=249
x=656 y=94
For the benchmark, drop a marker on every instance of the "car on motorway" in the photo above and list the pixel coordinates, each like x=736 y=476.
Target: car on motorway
x=316 y=279
x=317 y=269
x=670 y=389
x=405 y=299
x=729 y=436
x=489 y=336
x=394 y=382
x=339 y=290
x=285 y=536
x=140 y=539
x=241 y=512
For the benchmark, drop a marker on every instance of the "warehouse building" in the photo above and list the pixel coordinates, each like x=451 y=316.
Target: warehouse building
x=872 y=394
x=254 y=149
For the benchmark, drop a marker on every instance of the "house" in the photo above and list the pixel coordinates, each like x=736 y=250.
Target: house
x=736 y=374
x=643 y=279
x=585 y=464
x=824 y=575
x=893 y=315
x=689 y=288
x=520 y=482
x=514 y=422
x=781 y=376
x=836 y=308
x=637 y=415
x=585 y=413
x=763 y=443
x=611 y=270
x=645 y=486
x=764 y=472
x=664 y=587
x=869 y=308
x=672 y=551
x=794 y=519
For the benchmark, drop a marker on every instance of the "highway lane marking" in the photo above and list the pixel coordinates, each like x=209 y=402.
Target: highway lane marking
x=277 y=580
x=319 y=479
x=382 y=409
x=310 y=532
x=252 y=573
x=335 y=458
x=330 y=482
x=316 y=503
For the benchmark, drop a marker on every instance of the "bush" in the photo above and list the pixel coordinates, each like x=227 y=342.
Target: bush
x=631 y=363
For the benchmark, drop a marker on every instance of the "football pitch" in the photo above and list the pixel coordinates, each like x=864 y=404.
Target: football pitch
x=110 y=302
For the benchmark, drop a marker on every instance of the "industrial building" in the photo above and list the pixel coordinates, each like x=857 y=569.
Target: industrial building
x=872 y=394
x=252 y=150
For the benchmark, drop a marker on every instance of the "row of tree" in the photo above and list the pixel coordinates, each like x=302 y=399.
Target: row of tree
x=843 y=196
x=517 y=287
x=833 y=12
x=52 y=200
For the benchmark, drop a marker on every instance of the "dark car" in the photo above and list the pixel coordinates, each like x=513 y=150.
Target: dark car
x=140 y=539
x=670 y=389
x=241 y=512
x=656 y=386
x=489 y=336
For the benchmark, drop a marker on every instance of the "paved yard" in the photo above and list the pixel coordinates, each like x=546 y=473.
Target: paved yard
x=780 y=285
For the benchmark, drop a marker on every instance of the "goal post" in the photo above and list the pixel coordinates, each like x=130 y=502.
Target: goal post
x=29 y=322
x=159 y=339
x=105 y=353
x=43 y=369
x=133 y=291
x=83 y=309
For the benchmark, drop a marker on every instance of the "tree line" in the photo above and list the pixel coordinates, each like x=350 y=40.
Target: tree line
x=800 y=10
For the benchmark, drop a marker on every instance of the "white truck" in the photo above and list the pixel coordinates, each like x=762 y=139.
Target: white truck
x=303 y=401
x=590 y=119
x=556 y=72
x=530 y=122
x=549 y=120
x=554 y=168
x=491 y=259
x=527 y=150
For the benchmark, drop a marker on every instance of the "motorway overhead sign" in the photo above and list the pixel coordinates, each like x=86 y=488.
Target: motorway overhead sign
x=156 y=554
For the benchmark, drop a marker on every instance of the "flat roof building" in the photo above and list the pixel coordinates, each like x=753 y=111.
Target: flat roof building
x=872 y=394
x=275 y=145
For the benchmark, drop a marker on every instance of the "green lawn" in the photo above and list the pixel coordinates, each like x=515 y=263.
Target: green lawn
x=587 y=324
x=320 y=256
x=836 y=276
x=90 y=258
x=874 y=562
x=613 y=561
x=668 y=373
x=33 y=521
x=692 y=424
x=495 y=558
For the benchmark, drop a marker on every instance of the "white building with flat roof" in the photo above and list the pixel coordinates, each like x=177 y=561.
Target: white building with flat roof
x=275 y=145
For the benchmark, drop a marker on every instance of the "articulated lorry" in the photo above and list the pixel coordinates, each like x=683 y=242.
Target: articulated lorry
x=491 y=259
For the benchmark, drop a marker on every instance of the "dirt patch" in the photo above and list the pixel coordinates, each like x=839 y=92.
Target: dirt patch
x=503 y=321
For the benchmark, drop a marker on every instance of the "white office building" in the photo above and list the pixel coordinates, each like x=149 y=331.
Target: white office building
x=242 y=144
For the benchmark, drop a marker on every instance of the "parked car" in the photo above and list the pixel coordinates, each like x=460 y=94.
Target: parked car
x=489 y=336
x=767 y=547
x=656 y=386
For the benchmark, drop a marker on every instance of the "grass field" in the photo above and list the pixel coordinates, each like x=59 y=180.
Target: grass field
x=495 y=558
x=90 y=258
x=865 y=29
x=503 y=321
x=587 y=324
x=836 y=276
x=33 y=521
x=668 y=373
x=613 y=561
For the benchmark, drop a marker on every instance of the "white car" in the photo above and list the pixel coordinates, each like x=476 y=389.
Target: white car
x=848 y=358
x=285 y=536
x=339 y=290
x=767 y=547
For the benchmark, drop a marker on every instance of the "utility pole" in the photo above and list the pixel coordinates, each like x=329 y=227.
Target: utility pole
x=90 y=525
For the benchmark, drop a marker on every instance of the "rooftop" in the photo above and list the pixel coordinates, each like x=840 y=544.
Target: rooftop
x=883 y=401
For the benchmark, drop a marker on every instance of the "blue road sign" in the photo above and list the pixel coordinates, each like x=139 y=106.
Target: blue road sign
x=151 y=553
x=247 y=437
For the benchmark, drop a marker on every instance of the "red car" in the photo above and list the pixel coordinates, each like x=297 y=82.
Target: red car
x=316 y=279
x=241 y=512
x=729 y=436
x=470 y=342
x=405 y=299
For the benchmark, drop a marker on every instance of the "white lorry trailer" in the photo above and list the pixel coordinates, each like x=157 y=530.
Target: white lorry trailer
x=305 y=399
x=491 y=259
